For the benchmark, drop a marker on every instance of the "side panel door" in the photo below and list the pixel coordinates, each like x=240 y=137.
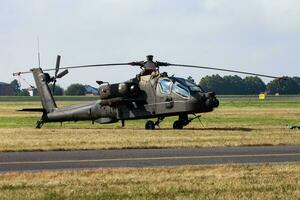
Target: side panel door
x=149 y=86
x=164 y=97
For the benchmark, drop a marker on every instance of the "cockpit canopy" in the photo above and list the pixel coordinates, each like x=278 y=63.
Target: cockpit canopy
x=179 y=86
x=192 y=86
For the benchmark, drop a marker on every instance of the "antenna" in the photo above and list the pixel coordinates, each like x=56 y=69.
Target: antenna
x=39 y=57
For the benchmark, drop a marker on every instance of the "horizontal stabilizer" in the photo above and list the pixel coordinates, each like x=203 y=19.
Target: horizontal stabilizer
x=32 y=110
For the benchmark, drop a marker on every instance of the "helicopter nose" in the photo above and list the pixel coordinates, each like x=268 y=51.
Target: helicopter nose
x=216 y=102
x=211 y=100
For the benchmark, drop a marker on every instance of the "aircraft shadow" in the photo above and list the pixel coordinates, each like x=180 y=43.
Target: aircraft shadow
x=165 y=129
x=214 y=129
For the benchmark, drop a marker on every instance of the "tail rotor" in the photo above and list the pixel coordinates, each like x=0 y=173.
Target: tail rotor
x=56 y=74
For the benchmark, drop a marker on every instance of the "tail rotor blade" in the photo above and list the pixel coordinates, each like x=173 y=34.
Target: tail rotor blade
x=62 y=74
x=57 y=65
x=53 y=86
x=56 y=72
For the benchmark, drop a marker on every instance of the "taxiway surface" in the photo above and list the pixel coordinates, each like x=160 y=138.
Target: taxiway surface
x=61 y=160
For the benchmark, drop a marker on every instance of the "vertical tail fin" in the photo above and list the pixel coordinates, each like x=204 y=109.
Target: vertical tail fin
x=41 y=81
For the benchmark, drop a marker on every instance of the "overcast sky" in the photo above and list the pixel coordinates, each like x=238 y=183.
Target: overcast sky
x=261 y=36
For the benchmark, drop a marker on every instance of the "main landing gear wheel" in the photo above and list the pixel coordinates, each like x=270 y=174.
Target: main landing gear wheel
x=177 y=125
x=182 y=121
x=150 y=125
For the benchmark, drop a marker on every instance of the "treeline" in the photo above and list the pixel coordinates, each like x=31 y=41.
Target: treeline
x=249 y=85
x=233 y=85
x=73 y=90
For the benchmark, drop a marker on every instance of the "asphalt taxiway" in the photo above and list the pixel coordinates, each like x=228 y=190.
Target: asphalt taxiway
x=62 y=160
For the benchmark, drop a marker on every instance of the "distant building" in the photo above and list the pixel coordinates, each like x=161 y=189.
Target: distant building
x=5 y=89
x=32 y=91
x=90 y=91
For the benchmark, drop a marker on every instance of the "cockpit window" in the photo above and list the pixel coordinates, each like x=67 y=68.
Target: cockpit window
x=165 y=85
x=181 y=90
x=192 y=86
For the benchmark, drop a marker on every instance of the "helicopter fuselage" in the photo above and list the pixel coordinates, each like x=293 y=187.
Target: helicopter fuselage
x=149 y=95
x=156 y=96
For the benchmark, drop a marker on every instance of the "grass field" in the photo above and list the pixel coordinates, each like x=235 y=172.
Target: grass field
x=238 y=121
x=187 y=182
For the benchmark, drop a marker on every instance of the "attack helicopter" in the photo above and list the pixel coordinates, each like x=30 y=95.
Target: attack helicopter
x=151 y=94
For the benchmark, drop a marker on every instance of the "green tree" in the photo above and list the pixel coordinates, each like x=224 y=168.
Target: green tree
x=191 y=79
x=254 y=85
x=213 y=83
x=234 y=85
x=223 y=85
x=17 y=91
x=283 y=86
x=24 y=92
x=75 y=90
x=58 y=91
x=15 y=87
x=297 y=79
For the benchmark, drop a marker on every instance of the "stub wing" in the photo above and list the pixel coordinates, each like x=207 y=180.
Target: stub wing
x=32 y=110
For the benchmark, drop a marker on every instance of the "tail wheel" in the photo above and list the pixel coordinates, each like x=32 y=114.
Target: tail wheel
x=177 y=125
x=39 y=124
x=150 y=125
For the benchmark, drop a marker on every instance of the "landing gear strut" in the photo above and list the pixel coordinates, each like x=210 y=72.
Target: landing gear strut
x=159 y=119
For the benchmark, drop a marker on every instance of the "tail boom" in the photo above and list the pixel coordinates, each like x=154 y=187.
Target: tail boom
x=43 y=89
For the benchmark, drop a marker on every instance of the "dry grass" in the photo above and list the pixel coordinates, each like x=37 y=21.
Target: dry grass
x=188 y=182
x=227 y=126
x=70 y=139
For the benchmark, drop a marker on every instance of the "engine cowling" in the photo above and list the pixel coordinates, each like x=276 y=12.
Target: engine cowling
x=108 y=91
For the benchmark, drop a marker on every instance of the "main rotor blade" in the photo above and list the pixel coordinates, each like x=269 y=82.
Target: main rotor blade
x=88 y=66
x=76 y=67
x=225 y=70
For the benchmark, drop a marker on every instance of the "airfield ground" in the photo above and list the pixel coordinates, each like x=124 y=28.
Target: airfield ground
x=239 y=121
x=186 y=182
